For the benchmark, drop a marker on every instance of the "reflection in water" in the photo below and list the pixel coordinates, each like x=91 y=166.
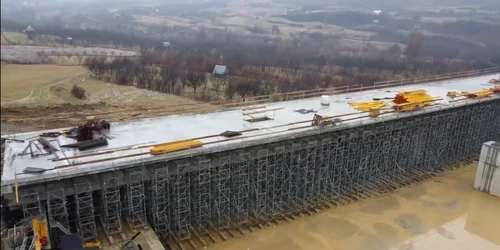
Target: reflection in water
x=442 y=213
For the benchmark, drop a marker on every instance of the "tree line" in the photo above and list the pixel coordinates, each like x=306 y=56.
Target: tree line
x=177 y=73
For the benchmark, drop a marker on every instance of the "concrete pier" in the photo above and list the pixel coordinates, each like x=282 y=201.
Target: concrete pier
x=488 y=170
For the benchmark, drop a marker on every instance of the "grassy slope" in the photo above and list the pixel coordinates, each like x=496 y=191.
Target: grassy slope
x=51 y=84
x=38 y=96
x=17 y=37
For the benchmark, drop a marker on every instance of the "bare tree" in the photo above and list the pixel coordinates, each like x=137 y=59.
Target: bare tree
x=267 y=88
x=80 y=59
x=245 y=88
x=196 y=80
x=96 y=66
x=413 y=51
x=169 y=75
x=146 y=77
x=147 y=56
x=308 y=81
x=218 y=84
x=230 y=90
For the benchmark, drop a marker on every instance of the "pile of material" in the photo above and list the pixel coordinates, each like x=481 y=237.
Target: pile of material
x=90 y=135
x=454 y=94
x=319 y=120
x=494 y=81
x=88 y=130
x=415 y=96
x=368 y=106
x=412 y=100
x=480 y=94
x=496 y=89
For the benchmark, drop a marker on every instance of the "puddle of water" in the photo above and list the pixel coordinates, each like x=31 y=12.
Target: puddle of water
x=442 y=213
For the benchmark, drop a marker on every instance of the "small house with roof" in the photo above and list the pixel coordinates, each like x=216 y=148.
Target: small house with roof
x=220 y=70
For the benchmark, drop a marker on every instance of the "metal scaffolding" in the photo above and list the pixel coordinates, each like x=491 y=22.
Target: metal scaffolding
x=248 y=186
x=259 y=181
x=181 y=209
x=240 y=187
x=276 y=185
x=111 y=206
x=221 y=192
x=202 y=196
x=85 y=209
x=136 y=198
x=57 y=213
x=31 y=203
x=160 y=197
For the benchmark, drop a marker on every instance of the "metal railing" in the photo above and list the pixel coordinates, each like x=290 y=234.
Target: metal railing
x=296 y=95
x=434 y=78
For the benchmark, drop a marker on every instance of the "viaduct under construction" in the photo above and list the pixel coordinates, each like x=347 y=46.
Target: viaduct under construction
x=267 y=166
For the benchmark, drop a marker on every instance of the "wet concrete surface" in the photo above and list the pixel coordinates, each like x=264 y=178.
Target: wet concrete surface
x=444 y=212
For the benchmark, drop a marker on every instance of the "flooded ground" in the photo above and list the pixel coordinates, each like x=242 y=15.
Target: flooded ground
x=444 y=212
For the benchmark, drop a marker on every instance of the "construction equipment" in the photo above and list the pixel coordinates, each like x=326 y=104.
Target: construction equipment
x=92 y=244
x=454 y=94
x=319 y=120
x=367 y=106
x=406 y=107
x=175 y=146
x=86 y=132
x=412 y=100
x=496 y=89
x=414 y=96
x=40 y=235
x=480 y=94
x=374 y=112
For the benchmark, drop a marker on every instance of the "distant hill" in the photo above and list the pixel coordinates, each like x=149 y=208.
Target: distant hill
x=394 y=4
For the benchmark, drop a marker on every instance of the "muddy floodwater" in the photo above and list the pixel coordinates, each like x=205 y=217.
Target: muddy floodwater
x=444 y=212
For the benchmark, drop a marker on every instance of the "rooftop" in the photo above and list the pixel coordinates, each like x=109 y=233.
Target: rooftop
x=220 y=70
x=130 y=141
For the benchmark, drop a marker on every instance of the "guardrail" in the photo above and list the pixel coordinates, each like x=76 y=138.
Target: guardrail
x=288 y=96
x=434 y=78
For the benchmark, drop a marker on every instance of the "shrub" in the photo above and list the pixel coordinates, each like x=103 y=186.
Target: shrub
x=78 y=92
